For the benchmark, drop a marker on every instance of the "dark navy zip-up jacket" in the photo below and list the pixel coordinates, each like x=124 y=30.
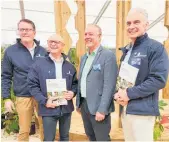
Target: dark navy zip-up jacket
x=15 y=67
x=45 y=69
x=151 y=58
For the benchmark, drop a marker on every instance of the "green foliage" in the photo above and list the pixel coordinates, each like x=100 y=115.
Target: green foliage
x=73 y=58
x=161 y=104
x=2 y=102
x=11 y=123
x=158 y=127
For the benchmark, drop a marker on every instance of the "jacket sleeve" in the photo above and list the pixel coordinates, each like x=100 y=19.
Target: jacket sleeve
x=110 y=77
x=74 y=83
x=34 y=85
x=7 y=74
x=157 y=77
x=78 y=87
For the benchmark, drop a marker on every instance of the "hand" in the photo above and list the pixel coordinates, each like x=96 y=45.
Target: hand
x=123 y=95
x=69 y=95
x=123 y=103
x=9 y=106
x=50 y=104
x=99 y=116
x=116 y=96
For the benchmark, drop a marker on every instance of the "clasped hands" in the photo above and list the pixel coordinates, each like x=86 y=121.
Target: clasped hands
x=68 y=95
x=121 y=97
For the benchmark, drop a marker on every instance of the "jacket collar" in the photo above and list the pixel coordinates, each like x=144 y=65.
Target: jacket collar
x=99 y=49
x=94 y=61
x=18 y=40
x=65 y=57
x=138 y=41
x=141 y=39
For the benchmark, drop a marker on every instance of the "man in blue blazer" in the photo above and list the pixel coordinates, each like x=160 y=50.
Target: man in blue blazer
x=97 y=81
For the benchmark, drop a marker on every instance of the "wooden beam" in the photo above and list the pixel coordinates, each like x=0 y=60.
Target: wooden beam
x=21 y=4
x=122 y=9
x=80 y=23
x=62 y=15
x=166 y=44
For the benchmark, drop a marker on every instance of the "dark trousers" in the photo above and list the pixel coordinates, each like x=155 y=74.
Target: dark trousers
x=95 y=130
x=49 y=124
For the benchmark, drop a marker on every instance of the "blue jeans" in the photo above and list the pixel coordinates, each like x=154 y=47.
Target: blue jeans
x=49 y=124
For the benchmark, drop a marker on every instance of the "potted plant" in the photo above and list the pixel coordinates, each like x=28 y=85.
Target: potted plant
x=158 y=127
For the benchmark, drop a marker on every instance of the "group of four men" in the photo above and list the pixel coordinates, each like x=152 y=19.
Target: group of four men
x=28 y=65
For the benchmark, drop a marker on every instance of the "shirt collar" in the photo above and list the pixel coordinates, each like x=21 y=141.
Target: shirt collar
x=32 y=48
x=57 y=61
x=93 y=53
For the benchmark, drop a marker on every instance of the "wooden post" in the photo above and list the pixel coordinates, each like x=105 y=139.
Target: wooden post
x=166 y=44
x=122 y=9
x=62 y=14
x=80 y=22
x=21 y=4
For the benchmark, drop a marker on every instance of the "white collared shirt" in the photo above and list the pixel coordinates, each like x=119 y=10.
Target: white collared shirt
x=32 y=50
x=58 y=66
x=126 y=59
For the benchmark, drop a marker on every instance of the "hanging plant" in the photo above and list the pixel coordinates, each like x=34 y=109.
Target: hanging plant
x=158 y=127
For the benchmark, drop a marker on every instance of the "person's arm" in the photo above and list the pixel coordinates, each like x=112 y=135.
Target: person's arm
x=110 y=77
x=72 y=93
x=157 y=77
x=34 y=85
x=6 y=76
x=74 y=84
x=78 y=86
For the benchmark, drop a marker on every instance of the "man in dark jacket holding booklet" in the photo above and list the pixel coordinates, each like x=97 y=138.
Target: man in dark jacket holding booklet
x=149 y=58
x=53 y=83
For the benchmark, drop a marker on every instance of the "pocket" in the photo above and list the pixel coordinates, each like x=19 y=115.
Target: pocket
x=24 y=103
x=69 y=79
x=150 y=100
x=100 y=93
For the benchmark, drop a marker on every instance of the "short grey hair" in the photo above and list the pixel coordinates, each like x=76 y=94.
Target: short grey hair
x=98 y=27
x=141 y=11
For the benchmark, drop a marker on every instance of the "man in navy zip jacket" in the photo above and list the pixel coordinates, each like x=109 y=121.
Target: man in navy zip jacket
x=150 y=58
x=55 y=66
x=15 y=67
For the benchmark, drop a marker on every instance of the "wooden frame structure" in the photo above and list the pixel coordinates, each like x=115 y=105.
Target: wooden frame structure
x=62 y=14
x=166 y=44
x=122 y=9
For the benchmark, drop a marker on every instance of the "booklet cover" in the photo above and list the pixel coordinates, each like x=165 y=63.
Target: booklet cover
x=55 y=90
x=127 y=76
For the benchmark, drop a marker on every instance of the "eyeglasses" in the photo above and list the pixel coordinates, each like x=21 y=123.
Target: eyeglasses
x=91 y=34
x=54 y=42
x=26 y=30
